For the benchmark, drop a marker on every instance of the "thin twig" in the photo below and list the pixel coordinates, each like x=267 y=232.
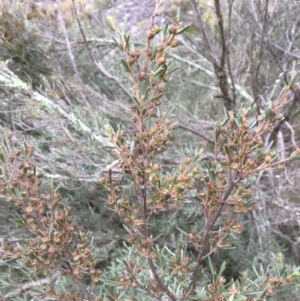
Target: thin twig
x=63 y=25
x=196 y=133
x=99 y=65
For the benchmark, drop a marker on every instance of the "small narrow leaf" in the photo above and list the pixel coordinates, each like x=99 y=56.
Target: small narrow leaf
x=182 y=231
x=222 y=269
x=132 y=146
x=2 y=157
x=158 y=96
x=108 y=129
x=110 y=22
x=166 y=30
x=294 y=158
x=143 y=88
x=127 y=38
x=168 y=112
x=183 y=29
x=154 y=51
x=268 y=113
x=292 y=82
x=173 y=70
x=213 y=272
x=136 y=103
x=127 y=229
x=240 y=298
x=116 y=41
x=124 y=63
x=151 y=66
x=177 y=17
x=227 y=150
x=160 y=71
x=226 y=116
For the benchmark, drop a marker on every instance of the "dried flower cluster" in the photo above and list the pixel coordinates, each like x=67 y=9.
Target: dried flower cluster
x=55 y=243
x=222 y=193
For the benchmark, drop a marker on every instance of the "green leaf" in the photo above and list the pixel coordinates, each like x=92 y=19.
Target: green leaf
x=110 y=22
x=127 y=229
x=136 y=103
x=169 y=251
x=127 y=38
x=154 y=51
x=143 y=88
x=166 y=30
x=282 y=271
x=116 y=40
x=2 y=158
x=18 y=219
x=198 y=156
x=108 y=129
x=158 y=96
x=127 y=68
x=182 y=231
x=160 y=70
x=144 y=111
x=264 y=292
x=195 y=297
x=151 y=66
x=213 y=272
x=168 y=112
x=132 y=146
x=294 y=158
x=177 y=17
x=292 y=82
x=268 y=113
x=183 y=29
x=253 y=124
x=295 y=274
x=211 y=172
x=227 y=151
x=217 y=135
x=222 y=269
x=173 y=70
x=240 y=297
x=226 y=115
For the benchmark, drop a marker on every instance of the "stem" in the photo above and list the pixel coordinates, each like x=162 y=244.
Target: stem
x=208 y=228
x=159 y=281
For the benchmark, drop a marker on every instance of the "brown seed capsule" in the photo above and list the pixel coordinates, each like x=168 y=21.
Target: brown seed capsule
x=12 y=157
x=166 y=78
x=174 y=43
x=137 y=53
x=268 y=159
x=149 y=106
x=157 y=102
x=142 y=76
x=161 y=47
x=156 y=29
x=149 y=53
x=150 y=35
x=173 y=29
x=161 y=89
x=161 y=61
x=131 y=61
x=133 y=108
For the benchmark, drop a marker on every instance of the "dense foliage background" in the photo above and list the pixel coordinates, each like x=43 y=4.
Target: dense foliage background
x=58 y=93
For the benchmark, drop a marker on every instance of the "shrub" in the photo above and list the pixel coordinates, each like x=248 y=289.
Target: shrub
x=179 y=267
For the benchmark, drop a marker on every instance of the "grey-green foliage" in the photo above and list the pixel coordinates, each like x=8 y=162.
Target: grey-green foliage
x=67 y=153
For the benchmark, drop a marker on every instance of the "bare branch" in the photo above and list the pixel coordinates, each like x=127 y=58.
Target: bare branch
x=98 y=64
